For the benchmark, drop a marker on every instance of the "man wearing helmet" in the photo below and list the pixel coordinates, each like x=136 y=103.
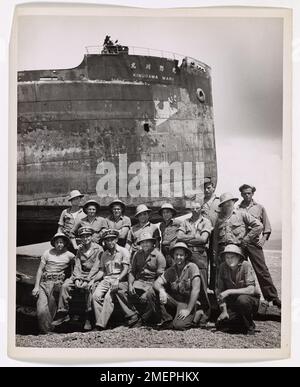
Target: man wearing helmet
x=237 y=294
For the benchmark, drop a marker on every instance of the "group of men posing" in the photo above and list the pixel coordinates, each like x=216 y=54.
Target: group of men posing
x=159 y=274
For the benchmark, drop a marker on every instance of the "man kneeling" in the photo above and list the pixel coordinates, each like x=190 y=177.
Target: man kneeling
x=177 y=290
x=236 y=291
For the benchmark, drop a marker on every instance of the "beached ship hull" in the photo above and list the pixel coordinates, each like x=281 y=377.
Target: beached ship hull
x=117 y=108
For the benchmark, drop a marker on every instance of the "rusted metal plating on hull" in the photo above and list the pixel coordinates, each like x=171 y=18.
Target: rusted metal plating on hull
x=147 y=108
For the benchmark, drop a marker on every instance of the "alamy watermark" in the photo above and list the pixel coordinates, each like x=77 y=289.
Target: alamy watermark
x=152 y=180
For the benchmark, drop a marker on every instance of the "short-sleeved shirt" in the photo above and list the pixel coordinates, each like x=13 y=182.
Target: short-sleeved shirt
x=199 y=227
x=179 y=286
x=168 y=232
x=238 y=226
x=259 y=212
x=148 y=268
x=68 y=220
x=56 y=264
x=136 y=231
x=85 y=260
x=97 y=224
x=210 y=209
x=113 y=263
x=241 y=278
x=122 y=222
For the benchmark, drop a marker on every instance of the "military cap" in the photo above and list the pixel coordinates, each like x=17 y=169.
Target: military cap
x=110 y=234
x=85 y=231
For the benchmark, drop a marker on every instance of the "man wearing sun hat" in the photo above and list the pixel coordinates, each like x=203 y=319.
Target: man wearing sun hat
x=168 y=230
x=175 y=293
x=88 y=253
x=91 y=220
x=233 y=227
x=147 y=264
x=236 y=291
x=71 y=215
x=111 y=270
x=142 y=215
x=255 y=250
x=49 y=279
x=195 y=232
x=118 y=221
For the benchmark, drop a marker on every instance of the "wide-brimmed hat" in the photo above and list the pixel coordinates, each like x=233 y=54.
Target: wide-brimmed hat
x=145 y=236
x=181 y=245
x=85 y=231
x=167 y=206
x=141 y=208
x=117 y=201
x=233 y=249
x=225 y=197
x=110 y=234
x=246 y=186
x=60 y=235
x=75 y=194
x=91 y=202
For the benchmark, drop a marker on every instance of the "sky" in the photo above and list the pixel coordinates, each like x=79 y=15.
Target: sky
x=245 y=55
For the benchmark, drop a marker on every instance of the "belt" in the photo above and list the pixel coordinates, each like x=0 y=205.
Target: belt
x=53 y=277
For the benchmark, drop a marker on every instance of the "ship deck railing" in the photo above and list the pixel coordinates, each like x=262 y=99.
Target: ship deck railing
x=144 y=51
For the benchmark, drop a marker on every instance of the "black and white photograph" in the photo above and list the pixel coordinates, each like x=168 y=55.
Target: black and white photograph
x=150 y=159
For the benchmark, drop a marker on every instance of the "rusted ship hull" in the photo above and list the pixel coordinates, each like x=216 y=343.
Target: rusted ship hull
x=111 y=108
